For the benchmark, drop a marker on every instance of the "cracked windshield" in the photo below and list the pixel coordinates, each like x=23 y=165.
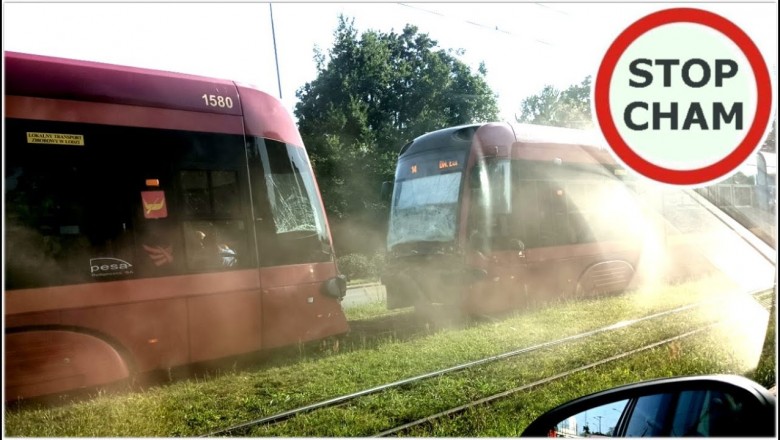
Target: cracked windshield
x=425 y=209
x=389 y=219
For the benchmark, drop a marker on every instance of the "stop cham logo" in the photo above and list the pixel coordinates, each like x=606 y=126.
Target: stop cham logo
x=683 y=97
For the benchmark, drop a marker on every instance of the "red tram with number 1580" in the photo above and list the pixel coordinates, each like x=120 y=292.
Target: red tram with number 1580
x=153 y=219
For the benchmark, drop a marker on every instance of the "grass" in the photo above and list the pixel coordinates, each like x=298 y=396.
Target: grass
x=509 y=417
x=767 y=366
x=390 y=409
x=371 y=310
x=203 y=405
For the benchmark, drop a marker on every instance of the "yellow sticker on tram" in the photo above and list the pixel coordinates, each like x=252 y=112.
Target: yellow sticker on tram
x=55 y=138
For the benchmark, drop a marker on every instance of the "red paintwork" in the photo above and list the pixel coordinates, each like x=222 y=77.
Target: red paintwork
x=120 y=292
x=299 y=313
x=567 y=153
x=130 y=96
x=190 y=317
x=74 y=80
x=44 y=109
x=534 y=142
x=516 y=280
x=265 y=117
x=224 y=324
x=494 y=140
x=292 y=295
x=108 y=329
x=44 y=362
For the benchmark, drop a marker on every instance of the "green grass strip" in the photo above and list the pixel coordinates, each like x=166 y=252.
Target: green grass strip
x=199 y=406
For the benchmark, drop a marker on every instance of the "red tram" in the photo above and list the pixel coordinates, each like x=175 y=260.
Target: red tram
x=490 y=217
x=153 y=219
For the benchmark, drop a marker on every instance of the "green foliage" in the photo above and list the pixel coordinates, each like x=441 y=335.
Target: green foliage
x=353 y=265
x=356 y=266
x=373 y=93
x=568 y=108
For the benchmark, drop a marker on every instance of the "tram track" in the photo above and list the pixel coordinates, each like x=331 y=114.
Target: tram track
x=344 y=399
x=765 y=300
x=547 y=380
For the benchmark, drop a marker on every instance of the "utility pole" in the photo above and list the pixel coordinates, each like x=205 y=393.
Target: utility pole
x=599 y=417
x=276 y=56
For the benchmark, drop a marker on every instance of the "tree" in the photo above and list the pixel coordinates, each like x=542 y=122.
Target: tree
x=567 y=108
x=373 y=93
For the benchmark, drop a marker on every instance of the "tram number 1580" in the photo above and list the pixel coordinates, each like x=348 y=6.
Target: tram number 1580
x=217 y=101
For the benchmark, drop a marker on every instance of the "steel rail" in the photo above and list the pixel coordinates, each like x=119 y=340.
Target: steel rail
x=537 y=383
x=279 y=417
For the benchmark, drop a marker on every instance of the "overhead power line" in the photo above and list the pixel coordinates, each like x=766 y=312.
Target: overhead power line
x=480 y=25
x=546 y=6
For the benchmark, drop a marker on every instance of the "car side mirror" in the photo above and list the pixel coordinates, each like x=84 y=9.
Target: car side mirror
x=711 y=406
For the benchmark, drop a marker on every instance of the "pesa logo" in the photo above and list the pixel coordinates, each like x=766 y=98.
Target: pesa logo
x=102 y=267
x=683 y=96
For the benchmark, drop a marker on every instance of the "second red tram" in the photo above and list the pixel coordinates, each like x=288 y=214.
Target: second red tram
x=490 y=217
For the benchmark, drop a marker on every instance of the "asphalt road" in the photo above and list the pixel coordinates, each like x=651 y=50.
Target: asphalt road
x=363 y=293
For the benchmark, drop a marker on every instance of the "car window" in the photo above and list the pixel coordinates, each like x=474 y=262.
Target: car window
x=650 y=415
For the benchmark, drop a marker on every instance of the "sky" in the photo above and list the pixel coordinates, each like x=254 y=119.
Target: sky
x=523 y=45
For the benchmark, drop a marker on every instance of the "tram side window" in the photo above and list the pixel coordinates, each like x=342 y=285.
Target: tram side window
x=214 y=244
x=195 y=187
x=67 y=219
x=214 y=236
x=553 y=221
x=539 y=205
x=582 y=211
x=525 y=212
x=494 y=220
x=45 y=239
x=210 y=193
x=79 y=213
x=556 y=205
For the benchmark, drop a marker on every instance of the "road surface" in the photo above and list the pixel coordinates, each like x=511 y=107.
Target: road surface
x=363 y=293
